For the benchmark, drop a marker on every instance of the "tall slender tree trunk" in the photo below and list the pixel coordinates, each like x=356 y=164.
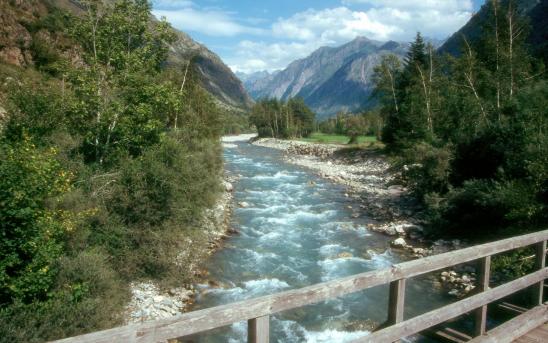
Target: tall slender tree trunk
x=511 y=46
x=181 y=93
x=427 y=99
x=393 y=86
x=470 y=79
x=497 y=54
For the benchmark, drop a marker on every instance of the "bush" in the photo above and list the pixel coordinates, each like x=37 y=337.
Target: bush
x=487 y=209
x=157 y=201
x=87 y=296
x=426 y=169
x=31 y=182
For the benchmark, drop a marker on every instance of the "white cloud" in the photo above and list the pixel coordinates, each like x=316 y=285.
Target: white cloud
x=290 y=38
x=330 y=25
x=304 y=32
x=254 y=56
x=186 y=16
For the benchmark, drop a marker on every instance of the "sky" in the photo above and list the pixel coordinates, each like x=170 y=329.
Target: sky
x=260 y=35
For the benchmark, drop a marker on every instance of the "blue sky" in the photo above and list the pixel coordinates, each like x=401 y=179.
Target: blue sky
x=269 y=34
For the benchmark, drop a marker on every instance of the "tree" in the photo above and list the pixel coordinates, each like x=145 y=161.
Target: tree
x=302 y=115
x=386 y=74
x=471 y=131
x=355 y=127
x=274 y=118
x=122 y=52
x=409 y=115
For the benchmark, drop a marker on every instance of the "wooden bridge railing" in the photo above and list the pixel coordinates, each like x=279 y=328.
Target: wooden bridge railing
x=258 y=311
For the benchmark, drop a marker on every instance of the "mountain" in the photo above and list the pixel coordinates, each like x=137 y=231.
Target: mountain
x=331 y=79
x=20 y=30
x=252 y=77
x=216 y=77
x=472 y=30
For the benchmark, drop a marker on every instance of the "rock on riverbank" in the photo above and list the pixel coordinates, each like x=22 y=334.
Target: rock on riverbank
x=148 y=301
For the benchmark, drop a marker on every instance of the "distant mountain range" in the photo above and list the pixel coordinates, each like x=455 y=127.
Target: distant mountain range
x=330 y=79
x=339 y=78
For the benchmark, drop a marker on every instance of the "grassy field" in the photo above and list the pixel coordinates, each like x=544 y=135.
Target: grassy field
x=318 y=137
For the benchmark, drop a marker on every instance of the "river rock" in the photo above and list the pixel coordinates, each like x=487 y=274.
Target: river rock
x=243 y=204
x=345 y=255
x=399 y=243
x=149 y=303
x=420 y=252
x=228 y=186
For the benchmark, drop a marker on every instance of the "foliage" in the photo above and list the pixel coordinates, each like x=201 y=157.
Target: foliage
x=106 y=171
x=471 y=131
x=32 y=228
x=367 y=123
x=274 y=118
x=157 y=197
x=319 y=137
x=120 y=99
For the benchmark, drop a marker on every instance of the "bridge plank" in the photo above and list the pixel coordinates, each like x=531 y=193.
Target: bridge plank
x=424 y=321
x=207 y=319
x=515 y=327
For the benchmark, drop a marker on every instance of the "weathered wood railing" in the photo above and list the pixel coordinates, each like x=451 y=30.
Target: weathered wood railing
x=258 y=311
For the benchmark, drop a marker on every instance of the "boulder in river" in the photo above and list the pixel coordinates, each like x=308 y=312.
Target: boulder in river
x=243 y=204
x=399 y=243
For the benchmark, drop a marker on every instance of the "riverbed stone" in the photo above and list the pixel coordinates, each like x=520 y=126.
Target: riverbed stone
x=228 y=186
x=243 y=204
x=399 y=243
x=345 y=255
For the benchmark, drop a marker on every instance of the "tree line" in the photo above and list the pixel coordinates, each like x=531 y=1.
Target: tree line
x=279 y=119
x=471 y=131
x=107 y=164
x=369 y=123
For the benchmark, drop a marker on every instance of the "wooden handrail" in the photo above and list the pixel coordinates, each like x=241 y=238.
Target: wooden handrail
x=257 y=311
x=432 y=318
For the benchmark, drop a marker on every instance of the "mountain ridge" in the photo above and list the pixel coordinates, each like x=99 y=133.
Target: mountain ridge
x=345 y=70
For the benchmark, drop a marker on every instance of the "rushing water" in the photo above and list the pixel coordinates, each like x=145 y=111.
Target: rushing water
x=298 y=230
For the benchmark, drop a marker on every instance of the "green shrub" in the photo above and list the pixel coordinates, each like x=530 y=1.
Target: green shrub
x=488 y=209
x=31 y=181
x=426 y=169
x=88 y=296
x=155 y=205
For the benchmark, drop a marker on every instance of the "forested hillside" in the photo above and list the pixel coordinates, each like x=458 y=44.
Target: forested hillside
x=109 y=157
x=470 y=132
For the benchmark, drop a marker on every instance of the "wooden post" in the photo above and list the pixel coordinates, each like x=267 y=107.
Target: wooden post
x=540 y=263
x=396 y=302
x=483 y=285
x=258 y=330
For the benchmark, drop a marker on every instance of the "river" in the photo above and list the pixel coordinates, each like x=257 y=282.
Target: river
x=298 y=230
